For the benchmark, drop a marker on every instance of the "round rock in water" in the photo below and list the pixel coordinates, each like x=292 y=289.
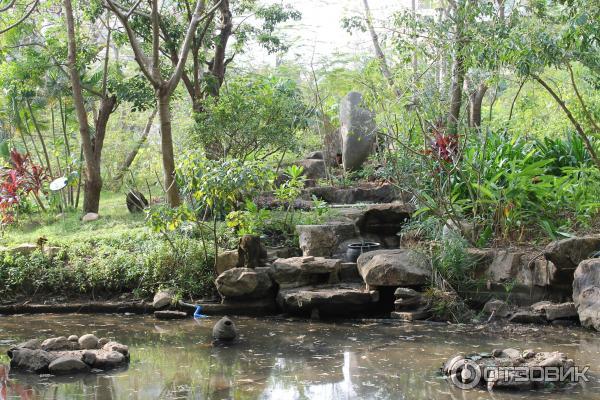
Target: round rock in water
x=88 y=342
x=224 y=330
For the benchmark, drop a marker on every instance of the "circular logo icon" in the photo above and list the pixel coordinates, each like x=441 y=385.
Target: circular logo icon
x=465 y=374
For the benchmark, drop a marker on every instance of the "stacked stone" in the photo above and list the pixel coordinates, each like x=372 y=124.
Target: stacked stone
x=410 y=305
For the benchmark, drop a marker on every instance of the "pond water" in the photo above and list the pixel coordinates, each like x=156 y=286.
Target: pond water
x=284 y=359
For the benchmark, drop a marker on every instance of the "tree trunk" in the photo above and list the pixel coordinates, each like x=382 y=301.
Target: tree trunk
x=93 y=180
x=383 y=65
x=218 y=63
x=166 y=144
x=458 y=71
x=475 y=101
x=133 y=153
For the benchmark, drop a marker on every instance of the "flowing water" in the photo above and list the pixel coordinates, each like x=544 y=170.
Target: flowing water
x=285 y=359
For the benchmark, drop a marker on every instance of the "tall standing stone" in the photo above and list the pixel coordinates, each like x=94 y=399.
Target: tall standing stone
x=358 y=131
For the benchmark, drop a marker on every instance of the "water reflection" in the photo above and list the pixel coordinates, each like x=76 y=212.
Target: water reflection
x=281 y=359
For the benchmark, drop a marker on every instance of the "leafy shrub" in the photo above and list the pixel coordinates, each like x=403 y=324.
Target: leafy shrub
x=253 y=118
x=140 y=264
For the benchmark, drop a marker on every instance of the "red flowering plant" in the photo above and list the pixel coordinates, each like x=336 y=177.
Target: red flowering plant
x=17 y=181
x=443 y=145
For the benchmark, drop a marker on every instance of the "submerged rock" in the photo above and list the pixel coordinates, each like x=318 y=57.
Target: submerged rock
x=168 y=314
x=224 y=330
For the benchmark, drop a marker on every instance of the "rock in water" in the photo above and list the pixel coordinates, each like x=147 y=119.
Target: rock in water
x=224 y=330
x=162 y=299
x=358 y=131
x=66 y=365
x=88 y=341
x=586 y=292
x=136 y=202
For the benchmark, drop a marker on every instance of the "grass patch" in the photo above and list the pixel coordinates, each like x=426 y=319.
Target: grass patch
x=114 y=219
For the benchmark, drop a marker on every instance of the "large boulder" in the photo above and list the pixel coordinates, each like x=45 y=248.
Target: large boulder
x=88 y=341
x=301 y=271
x=163 y=298
x=384 y=219
x=324 y=240
x=399 y=267
x=246 y=283
x=566 y=254
x=24 y=359
x=586 y=292
x=358 y=131
x=328 y=300
x=67 y=365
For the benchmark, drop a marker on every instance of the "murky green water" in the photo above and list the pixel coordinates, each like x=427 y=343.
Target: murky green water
x=283 y=359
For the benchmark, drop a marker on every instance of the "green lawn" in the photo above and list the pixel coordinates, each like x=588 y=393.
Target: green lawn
x=114 y=219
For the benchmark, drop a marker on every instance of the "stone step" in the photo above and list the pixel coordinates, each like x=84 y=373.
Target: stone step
x=415 y=315
x=349 y=273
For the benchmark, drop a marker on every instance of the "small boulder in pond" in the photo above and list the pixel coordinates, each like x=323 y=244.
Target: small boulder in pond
x=224 y=330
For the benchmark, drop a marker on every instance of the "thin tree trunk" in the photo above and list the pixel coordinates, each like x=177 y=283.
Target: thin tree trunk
x=39 y=133
x=133 y=153
x=576 y=124
x=166 y=144
x=458 y=71
x=93 y=180
x=475 y=101
x=383 y=65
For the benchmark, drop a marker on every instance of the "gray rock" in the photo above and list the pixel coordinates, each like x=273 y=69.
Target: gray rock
x=31 y=344
x=57 y=343
x=568 y=253
x=398 y=267
x=331 y=300
x=227 y=260
x=498 y=307
x=168 y=314
x=24 y=359
x=554 y=311
x=414 y=315
x=73 y=338
x=106 y=360
x=115 y=346
x=510 y=353
x=315 y=155
x=87 y=342
x=244 y=283
x=527 y=317
x=102 y=342
x=162 y=299
x=349 y=272
x=89 y=357
x=358 y=131
x=23 y=249
x=406 y=293
x=67 y=365
x=586 y=292
x=384 y=219
x=274 y=253
x=313 y=169
x=300 y=271
x=377 y=194
x=324 y=240
x=224 y=330
x=89 y=217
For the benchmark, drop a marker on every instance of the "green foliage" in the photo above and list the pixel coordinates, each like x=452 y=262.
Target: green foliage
x=137 y=263
x=253 y=118
x=251 y=221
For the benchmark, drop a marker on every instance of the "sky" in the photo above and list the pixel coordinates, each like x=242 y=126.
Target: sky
x=320 y=33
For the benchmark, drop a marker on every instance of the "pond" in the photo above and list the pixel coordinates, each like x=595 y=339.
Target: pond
x=285 y=359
